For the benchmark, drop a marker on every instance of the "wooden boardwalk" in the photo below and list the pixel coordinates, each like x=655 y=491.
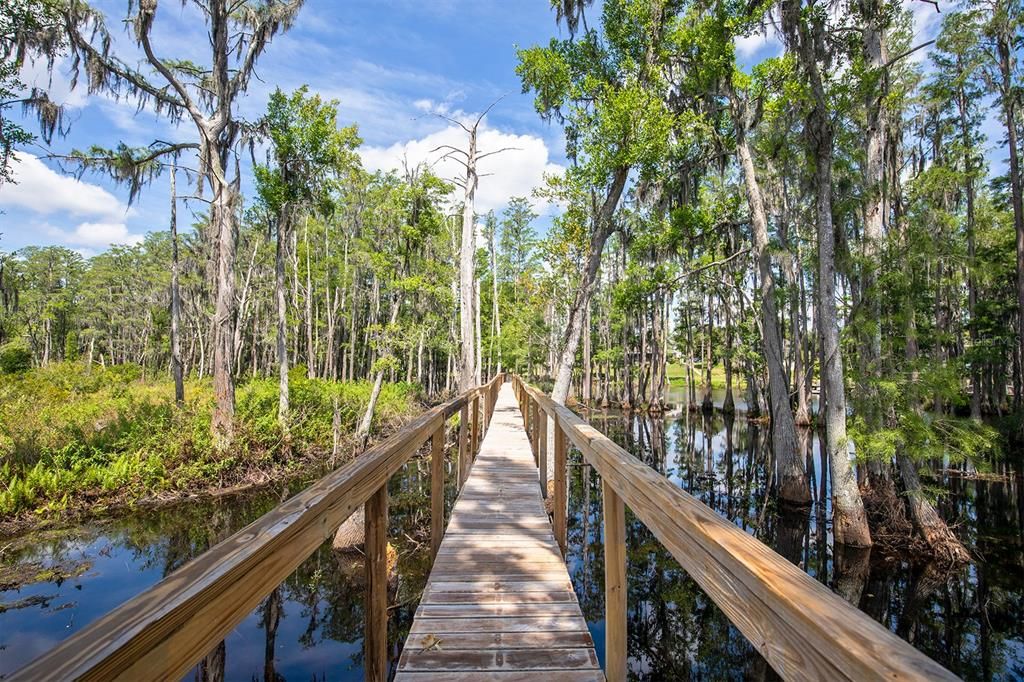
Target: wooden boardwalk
x=499 y=604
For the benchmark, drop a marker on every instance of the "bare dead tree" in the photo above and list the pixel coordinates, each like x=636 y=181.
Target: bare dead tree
x=468 y=158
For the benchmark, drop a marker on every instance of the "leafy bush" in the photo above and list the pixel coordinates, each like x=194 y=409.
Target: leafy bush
x=68 y=434
x=15 y=357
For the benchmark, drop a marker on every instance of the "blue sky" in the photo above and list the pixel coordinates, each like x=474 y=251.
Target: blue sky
x=391 y=65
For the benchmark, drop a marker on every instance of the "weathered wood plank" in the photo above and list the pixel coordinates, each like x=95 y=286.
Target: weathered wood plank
x=560 y=503
x=512 y=624
x=502 y=640
x=459 y=660
x=167 y=629
x=464 y=456
x=542 y=451
x=437 y=488
x=615 y=655
x=488 y=597
x=472 y=583
x=497 y=609
x=499 y=597
x=502 y=676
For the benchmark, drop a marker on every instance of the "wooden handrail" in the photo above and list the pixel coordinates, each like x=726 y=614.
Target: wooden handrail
x=164 y=631
x=803 y=629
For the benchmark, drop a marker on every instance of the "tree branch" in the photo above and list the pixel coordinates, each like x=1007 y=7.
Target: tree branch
x=707 y=266
x=908 y=52
x=498 y=151
x=143 y=25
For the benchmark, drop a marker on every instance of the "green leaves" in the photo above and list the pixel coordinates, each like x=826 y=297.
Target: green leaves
x=546 y=72
x=307 y=147
x=605 y=89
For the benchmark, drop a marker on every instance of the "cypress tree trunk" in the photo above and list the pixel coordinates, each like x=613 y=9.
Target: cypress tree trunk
x=850 y=526
x=467 y=255
x=793 y=478
x=574 y=326
x=223 y=218
x=176 y=367
x=282 y=325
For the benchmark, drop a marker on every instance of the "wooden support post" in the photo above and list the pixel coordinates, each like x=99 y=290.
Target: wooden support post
x=561 y=497
x=476 y=428
x=614 y=585
x=463 y=445
x=375 y=639
x=542 y=450
x=535 y=423
x=436 y=489
x=525 y=409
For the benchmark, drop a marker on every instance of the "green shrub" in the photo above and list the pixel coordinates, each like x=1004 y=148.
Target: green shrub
x=15 y=357
x=67 y=431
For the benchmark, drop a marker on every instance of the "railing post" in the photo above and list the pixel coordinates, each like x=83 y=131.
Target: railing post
x=535 y=425
x=560 y=487
x=542 y=449
x=525 y=409
x=614 y=584
x=485 y=406
x=476 y=427
x=463 y=445
x=436 y=489
x=376 y=548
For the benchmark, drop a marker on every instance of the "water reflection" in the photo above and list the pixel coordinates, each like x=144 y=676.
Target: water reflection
x=970 y=621
x=310 y=627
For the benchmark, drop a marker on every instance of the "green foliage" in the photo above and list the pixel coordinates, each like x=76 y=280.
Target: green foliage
x=15 y=357
x=307 y=145
x=919 y=434
x=68 y=435
x=26 y=31
x=604 y=89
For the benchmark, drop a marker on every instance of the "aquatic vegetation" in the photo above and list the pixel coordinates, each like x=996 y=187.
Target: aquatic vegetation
x=74 y=437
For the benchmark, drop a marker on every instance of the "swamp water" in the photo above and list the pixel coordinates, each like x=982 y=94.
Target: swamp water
x=971 y=620
x=310 y=628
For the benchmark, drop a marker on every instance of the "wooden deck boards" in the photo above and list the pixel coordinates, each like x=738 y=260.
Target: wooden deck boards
x=499 y=604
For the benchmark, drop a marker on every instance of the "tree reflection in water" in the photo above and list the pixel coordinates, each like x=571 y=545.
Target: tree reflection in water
x=309 y=627
x=970 y=620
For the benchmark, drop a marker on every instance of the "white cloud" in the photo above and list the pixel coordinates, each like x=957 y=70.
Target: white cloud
x=101 y=235
x=748 y=46
x=763 y=36
x=90 y=238
x=512 y=173
x=39 y=189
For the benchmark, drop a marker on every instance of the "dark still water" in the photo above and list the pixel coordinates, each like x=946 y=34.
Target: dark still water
x=52 y=584
x=970 y=620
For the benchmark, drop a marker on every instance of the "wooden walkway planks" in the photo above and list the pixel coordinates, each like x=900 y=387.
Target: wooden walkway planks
x=499 y=604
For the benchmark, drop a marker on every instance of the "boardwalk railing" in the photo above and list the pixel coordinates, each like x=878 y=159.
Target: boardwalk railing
x=169 y=628
x=805 y=631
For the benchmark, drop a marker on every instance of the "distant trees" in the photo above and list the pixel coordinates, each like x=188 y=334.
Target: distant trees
x=307 y=150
